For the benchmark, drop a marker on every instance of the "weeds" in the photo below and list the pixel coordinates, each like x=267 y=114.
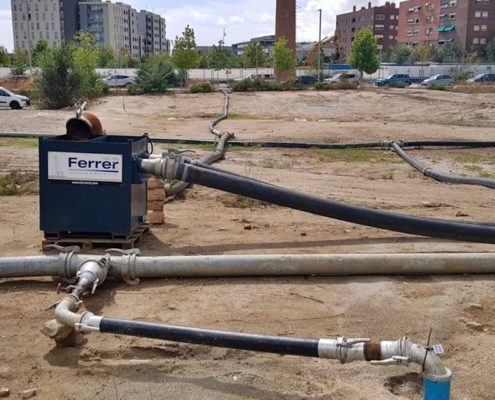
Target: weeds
x=356 y=155
x=8 y=185
x=25 y=143
x=480 y=171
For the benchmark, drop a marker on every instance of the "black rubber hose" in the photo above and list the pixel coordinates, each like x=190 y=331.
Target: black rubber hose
x=440 y=176
x=294 y=145
x=471 y=232
x=207 y=159
x=233 y=340
x=210 y=158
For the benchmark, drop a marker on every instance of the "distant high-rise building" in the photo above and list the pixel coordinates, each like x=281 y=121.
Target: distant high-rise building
x=468 y=23
x=53 y=21
x=383 y=21
x=117 y=25
x=152 y=31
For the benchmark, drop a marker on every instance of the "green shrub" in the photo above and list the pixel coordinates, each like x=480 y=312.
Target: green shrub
x=258 y=84
x=322 y=86
x=156 y=74
x=436 y=86
x=202 y=87
x=341 y=85
x=134 y=89
x=8 y=185
x=398 y=85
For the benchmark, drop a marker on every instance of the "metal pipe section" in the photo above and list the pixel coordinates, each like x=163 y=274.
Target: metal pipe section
x=132 y=267
x=441 y=176
x=175 y=168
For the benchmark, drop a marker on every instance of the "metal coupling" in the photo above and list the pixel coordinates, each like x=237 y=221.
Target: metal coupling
x=89 y=322
x=92 y=273
x=165 y=167
x=343 y=349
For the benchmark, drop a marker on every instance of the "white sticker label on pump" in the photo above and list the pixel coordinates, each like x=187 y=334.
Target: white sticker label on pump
x=90 y=167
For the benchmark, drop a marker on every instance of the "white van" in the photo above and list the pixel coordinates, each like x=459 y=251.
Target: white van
x=13 y=100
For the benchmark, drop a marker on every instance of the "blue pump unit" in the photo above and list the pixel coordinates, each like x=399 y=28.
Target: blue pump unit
x=92 y=187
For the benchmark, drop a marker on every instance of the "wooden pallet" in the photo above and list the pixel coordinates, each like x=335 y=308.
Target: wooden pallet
x=88 y=243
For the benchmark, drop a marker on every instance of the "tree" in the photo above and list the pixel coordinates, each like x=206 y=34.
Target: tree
x=58 y=79
x=106 y=57
x=67 y=75
x=489 y=51
x=185 y=55
x=4 y=57
x=156 y=74
x=447 y=53
x=283 y=59
x=364 y=52
x=39 y=48
x=20 y=62
x=254 y=55
x=403 y=55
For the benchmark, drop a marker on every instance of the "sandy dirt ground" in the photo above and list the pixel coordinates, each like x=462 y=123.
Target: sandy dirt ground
x=459 y=309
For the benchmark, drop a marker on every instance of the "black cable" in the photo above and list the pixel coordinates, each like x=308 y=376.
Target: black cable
x=234 y=340
x=222 y=180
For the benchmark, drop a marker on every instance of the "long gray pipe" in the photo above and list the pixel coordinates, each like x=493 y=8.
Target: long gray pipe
x=130 y=267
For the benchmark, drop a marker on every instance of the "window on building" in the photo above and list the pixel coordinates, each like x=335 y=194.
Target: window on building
x=391 y=27
x=476 y=28
x=452 y=16
x=477 y=14
x=430 y=6
x=484 y=14
x=483 y=40
x=391 y=37
x=484 y=28
x=392 y=17
x=379 y=27
x=429 y=31
x=430 y=18
x=380 y=17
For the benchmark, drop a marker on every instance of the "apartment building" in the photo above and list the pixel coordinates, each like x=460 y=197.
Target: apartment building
x=109 y=23
x=152 y=32
x=117 y=25
x=51 y=20
x=383 y=21
x=468 y=23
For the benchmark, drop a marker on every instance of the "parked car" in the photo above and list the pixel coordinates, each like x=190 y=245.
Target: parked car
x=13 y=100
x=482 y=78
x=306 y=80
x=265 y=77
x=394 y=79
x=118 y=80
x=344 y=76
x=440 y=79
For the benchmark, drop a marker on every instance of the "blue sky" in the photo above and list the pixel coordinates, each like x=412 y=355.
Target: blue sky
x=242 y=19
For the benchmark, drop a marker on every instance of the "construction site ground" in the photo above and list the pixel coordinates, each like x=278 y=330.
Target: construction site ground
x=203 y=221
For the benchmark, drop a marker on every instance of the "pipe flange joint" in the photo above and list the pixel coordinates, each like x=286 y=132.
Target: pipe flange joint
x=127 y=271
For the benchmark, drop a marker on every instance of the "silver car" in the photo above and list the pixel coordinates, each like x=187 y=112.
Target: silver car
x=118 y=80
x=440 y=79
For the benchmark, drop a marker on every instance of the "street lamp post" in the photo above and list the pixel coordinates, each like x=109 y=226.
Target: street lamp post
x=319 y=49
